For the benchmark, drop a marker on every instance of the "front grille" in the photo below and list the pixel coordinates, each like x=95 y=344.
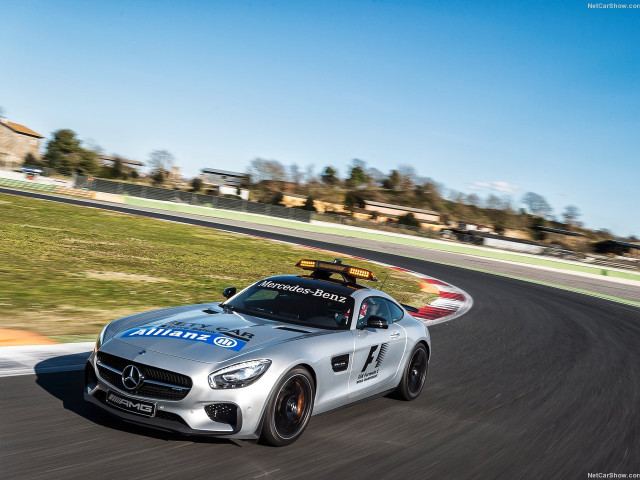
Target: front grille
x=176 y=387
x=223 y=413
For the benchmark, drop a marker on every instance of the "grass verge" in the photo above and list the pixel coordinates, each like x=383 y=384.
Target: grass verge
x=66 y=270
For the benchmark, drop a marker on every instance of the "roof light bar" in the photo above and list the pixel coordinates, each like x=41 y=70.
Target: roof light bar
x=349 y=273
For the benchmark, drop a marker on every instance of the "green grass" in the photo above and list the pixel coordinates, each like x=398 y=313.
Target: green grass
x=373 y=235
x=66 y=270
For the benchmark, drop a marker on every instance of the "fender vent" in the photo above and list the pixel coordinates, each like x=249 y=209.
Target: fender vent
x=340 y=363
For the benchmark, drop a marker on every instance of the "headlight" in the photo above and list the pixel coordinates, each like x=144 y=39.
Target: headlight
x=239 y=375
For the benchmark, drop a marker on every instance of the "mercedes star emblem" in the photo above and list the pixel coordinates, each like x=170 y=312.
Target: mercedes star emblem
x=131 y=377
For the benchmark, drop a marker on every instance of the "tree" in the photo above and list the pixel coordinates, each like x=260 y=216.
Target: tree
x=87 y=162
x=375 y=176
x=492 y=202
x=571 y=215
x=409 y=220
x=61 y=150
x=407 y=175
x=261 y=169
x=277 y=199
x=116 y=168
x=536 y=233
x=473 y=199
x=161 y=160
x=309 y=205
x=196 y=184
x=30 y=160
x=295 y=174
x=158 y=177
x=357 y=174
x=537 y=204
x=64 y=153
x=392 y=182
x=329 y=176
x=353 y=199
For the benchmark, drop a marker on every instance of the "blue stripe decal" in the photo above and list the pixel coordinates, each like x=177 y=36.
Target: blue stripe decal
x=216 y=339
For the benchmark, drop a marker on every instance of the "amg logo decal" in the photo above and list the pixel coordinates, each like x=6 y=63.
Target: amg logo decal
x=130 y=404
x=217 y=339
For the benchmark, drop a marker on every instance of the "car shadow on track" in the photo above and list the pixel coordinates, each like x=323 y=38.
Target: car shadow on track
x=68 y=387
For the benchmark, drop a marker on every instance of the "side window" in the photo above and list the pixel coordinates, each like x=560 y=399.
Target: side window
x=373 y=306
x=396 y=312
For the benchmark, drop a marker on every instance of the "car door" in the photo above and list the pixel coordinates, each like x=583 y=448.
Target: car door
x=377 y=352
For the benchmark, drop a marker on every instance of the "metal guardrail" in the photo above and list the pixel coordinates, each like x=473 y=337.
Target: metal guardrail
x=190 y=198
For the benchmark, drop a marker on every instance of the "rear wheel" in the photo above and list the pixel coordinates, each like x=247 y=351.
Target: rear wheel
x=414 y=375
x=289 y=408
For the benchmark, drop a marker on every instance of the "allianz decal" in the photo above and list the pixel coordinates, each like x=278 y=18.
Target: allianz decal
x=216 y=339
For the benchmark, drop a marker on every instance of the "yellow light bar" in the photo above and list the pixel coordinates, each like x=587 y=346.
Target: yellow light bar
x=353 y=272
x=306 y=264
x=361 y=273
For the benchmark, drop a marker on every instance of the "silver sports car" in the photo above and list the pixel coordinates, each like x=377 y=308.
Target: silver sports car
x=262 y=362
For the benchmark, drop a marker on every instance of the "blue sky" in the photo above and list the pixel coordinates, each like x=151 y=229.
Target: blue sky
x=537 y=96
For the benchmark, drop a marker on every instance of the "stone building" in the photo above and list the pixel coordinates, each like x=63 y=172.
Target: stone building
x=16 y=141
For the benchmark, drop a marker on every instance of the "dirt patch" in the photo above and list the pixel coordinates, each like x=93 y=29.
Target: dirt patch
x=12 y=338
x=127 y=277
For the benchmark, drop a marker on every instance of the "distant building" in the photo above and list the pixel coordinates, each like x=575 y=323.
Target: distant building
x=564 y=238
x=620 y=249
x=215 y=177
x=16 y=141
x=475 y=227
x=127 y=165
x=224 y=182
x=384 y=211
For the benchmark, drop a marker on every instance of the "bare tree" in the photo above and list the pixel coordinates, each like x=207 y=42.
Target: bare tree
x=161 y=160
x=295 y=174
x=571 y=215
x=261 y=169
x=375 y=176
x=473 y=199
x=492 y=202
x=537 y=204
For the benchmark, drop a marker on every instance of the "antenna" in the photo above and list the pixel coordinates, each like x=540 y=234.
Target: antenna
x=383 y=282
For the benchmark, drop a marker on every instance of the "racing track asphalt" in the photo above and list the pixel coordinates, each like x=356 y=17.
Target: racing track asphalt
x=533 y=382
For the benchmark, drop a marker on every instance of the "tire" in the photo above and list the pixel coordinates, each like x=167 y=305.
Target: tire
x=289 y=408
x=414 y=374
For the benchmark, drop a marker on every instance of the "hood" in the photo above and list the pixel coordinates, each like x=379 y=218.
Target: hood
x=209 y=335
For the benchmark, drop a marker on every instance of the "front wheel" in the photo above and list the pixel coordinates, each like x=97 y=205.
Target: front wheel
x=289 y=408
x=414 y=375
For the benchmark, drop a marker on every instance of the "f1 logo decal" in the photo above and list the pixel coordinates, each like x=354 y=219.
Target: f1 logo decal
x=370 y=357
x=379 y=359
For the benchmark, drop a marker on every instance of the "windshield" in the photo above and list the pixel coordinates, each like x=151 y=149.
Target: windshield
x=300 y=303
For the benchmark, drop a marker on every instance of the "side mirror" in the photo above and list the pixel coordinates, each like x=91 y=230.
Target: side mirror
x=229 y=292
x=375 y=321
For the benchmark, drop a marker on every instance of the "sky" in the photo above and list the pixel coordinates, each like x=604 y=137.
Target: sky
x=483 y=97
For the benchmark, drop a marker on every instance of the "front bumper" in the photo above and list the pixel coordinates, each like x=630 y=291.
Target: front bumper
x=195 y=414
